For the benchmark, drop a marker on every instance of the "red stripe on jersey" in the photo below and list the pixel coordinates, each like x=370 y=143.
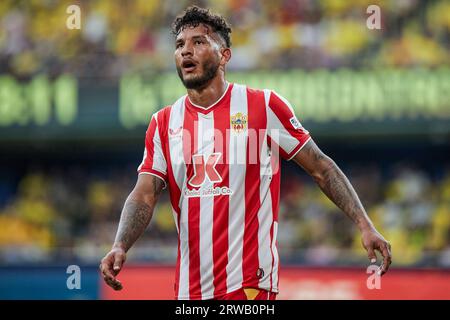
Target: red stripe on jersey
x=175 y=193
x=163 y=121
x=255 y=101
x=221 y=202
x=147 y=162
x=190 y=146
x=178 y=266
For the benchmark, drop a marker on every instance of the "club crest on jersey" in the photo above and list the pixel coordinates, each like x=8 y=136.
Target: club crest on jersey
x=238 y=122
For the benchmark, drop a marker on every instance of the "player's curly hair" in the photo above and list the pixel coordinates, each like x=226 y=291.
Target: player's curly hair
x=193 y=16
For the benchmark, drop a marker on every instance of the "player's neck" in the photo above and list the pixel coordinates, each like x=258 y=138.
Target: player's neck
x=210 y=94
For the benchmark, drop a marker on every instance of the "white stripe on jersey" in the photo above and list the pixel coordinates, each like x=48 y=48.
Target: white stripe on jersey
x=236 y=224
x=176 y=143
x=265 y=216
x=276 y=259
x=205 y=142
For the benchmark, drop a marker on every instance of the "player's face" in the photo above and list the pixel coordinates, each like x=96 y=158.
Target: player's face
x=197 y=56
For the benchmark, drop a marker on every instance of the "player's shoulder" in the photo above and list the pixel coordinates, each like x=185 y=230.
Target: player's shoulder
x=257 y=94
x=272 y=98
x=269 y=94
x=160 y=114
x=163 y=114
x=251 y=91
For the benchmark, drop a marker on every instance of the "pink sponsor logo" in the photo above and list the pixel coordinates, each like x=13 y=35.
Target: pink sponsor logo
x=204 y=169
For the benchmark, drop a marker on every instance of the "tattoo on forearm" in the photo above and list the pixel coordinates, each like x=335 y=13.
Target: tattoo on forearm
x=135 y=217
x=133 y=221
x=335 y=184
x=339 y=189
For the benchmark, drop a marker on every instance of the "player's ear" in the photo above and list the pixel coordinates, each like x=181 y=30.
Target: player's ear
x=226 y=55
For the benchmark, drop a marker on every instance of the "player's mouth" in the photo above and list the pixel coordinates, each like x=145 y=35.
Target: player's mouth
x=188 y=65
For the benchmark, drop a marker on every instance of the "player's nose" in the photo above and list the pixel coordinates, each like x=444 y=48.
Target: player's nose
x=187 y=49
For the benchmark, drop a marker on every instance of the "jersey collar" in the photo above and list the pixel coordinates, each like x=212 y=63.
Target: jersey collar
x=208 y=109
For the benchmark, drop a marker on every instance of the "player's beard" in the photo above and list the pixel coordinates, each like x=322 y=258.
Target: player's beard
x=210 y=68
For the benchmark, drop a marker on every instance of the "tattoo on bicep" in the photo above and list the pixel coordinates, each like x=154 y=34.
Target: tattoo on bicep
x=312 y=151
x=157 y=186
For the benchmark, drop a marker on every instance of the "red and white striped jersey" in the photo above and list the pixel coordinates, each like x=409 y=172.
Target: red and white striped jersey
x=221 y=164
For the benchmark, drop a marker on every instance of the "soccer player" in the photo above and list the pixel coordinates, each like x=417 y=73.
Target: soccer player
x=217 y=151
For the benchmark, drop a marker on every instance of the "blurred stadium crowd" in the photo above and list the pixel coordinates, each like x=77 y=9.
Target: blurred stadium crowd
x=73 y=213
x=49 y=214
x=121 y=36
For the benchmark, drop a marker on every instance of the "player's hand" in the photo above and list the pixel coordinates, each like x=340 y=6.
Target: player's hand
x=372 y=240
x=111 y=265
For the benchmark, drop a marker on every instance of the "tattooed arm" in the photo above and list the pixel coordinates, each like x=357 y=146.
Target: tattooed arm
x=338 y=188
x=135 y=217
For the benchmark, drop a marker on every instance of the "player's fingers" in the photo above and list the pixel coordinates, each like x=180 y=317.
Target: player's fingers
x=113 y=283
x=387 y=258
x=119 y=259
x=106 y=269
x=117 y=285
x=108 y=274
x=110 y=282
x=371 y=254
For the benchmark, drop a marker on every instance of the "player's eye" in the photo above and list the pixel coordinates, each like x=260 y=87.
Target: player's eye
x=178 y=45
x=198 y=42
